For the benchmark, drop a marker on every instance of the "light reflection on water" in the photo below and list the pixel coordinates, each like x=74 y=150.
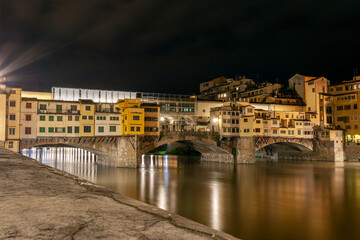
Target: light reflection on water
x=281 y=200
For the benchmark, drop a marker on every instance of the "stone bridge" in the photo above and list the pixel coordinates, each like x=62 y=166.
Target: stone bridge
x=126 y=151
x=121 y=151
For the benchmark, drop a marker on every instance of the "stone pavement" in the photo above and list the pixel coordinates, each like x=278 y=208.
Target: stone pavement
x=40 y=202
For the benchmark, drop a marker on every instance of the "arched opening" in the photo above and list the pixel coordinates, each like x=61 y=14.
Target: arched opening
x=182 y=148
x=283 y=150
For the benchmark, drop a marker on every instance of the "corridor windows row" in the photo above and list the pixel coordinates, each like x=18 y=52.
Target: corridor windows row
x=111 y=129
x=59 y=129
x=58 y=118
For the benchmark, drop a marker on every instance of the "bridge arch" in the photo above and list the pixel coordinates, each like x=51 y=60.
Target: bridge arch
x=302 y=144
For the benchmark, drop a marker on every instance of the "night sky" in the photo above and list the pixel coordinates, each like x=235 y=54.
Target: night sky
x=172 y=46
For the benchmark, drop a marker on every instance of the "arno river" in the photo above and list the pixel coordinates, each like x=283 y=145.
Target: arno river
x=266 y=200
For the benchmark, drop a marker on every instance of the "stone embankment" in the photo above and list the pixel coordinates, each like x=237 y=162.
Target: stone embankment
x=40 y=202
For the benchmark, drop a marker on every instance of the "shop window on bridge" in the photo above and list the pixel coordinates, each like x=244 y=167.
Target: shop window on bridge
x=42 y=106
x=59 y=118
x=28 y=105
x=136 y=117
x=50 y=129
x=28 y=130
x=112 y=128
x=138 y=129
x=69 y=129
x=87 y=108
x=42 y=129
x=76 y=130
x=69 y=118
x=100 y=129
x=87 y=129
x=11 y=144
x=76 y=118
x=58 y=108
x=51 y=118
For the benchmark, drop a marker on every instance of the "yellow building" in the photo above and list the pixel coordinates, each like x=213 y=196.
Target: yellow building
x=87 y=118
x=340 y=108
x=2 y=115
x=13 y=118
x=28 y=118
x=132 y=117
x=58 y=119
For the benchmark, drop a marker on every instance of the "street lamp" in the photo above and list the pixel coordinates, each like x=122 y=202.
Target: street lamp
x=162 y=119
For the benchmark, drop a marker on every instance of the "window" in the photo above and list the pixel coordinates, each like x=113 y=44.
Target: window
x=274 y=122
x=76 y=118
x=100 y=129
x=12 y=103
x=132 y=129
x=283 y=132
x=42 y=106
x=339 y=108
x=155 y=110
x=245 y=120
x=59 y=118
x=355 y=106
x=274 y=131
x=138 y=129
x=84 y=117
x=347 y=107
x=11 y=144
x=28 y=105
x=338 y=89
x=28 y=117
x=87 y=108
x=69 y=129
x=69 y=118
x=299 y=132
x=87 y=129
x=28 y=130
x=73 y=108
x=91 y=117
x=112 y=128
x=51 y=118
x=76 y=130
x=58 y=108
x=249 y=110
x=42 y=129
x=135 y=117
x=60 y=130
x=313 y=89
x=50 y=129
x=12 y=117
x=11 y=131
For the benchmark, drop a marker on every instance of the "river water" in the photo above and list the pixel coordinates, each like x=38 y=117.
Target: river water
x=266 y=200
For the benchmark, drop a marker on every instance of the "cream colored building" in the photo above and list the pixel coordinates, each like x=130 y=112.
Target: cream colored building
x=107 y=120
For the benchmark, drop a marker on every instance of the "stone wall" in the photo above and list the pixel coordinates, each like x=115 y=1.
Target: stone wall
x=352 y=151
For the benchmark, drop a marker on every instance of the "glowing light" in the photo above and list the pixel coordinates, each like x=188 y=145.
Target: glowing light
x=215 y=120
x=162 y=119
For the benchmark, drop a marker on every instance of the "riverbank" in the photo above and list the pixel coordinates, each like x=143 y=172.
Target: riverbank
x=40 y=202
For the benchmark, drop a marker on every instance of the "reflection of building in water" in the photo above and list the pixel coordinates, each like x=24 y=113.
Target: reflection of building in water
x=79 y=162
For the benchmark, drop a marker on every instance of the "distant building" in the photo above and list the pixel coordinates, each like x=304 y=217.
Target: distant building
x=224 y=88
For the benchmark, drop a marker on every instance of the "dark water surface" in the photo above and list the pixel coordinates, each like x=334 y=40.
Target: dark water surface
x=266 y=200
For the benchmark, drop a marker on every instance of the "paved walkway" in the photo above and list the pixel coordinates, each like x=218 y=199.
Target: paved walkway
x=39 y=202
